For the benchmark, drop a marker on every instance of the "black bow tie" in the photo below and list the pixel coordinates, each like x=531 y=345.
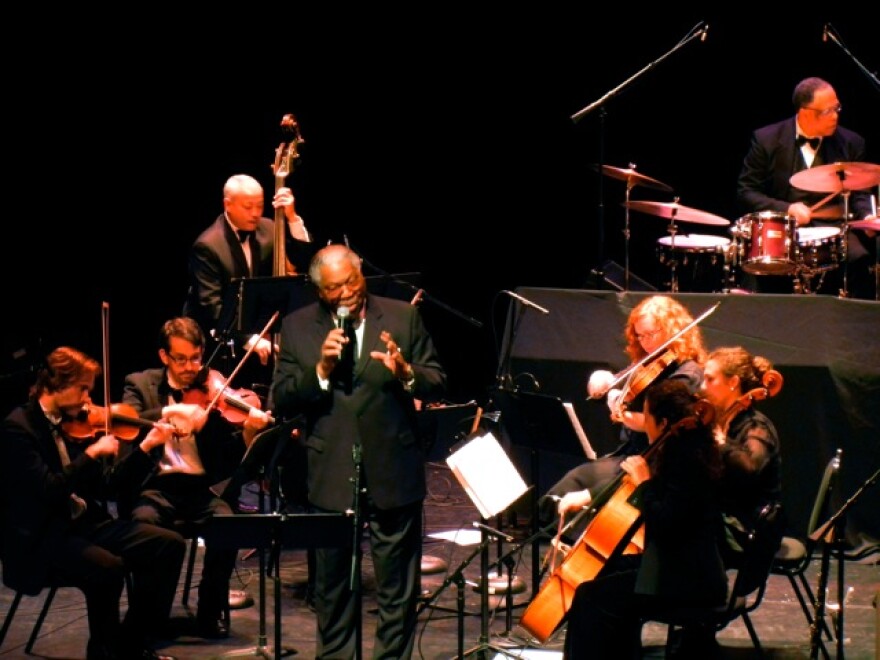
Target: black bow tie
x=243 y=235
x=802 y=140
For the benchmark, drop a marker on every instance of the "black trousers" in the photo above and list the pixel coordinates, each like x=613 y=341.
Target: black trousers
x=395 y=537
x=188 y=498
x=95 y=557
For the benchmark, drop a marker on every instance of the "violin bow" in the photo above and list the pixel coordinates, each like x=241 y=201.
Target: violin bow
x=241 y=363
x=660 y=349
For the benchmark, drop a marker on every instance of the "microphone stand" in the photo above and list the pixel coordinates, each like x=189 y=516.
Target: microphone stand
x=831 y=32
x=699 y=30
x=420 y=294
x=355 y=584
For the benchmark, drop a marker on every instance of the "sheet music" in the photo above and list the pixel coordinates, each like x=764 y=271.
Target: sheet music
x=579 y=430
x=487 y=475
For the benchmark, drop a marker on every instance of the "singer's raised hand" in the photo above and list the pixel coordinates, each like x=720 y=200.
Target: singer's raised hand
x=393 y=358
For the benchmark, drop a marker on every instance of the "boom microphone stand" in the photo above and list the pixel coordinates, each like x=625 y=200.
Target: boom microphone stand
x=699 y=30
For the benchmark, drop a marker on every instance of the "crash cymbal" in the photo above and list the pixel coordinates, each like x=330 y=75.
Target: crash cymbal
x=866 y=224
x=837 y=176
x=674 y=210
x=632 y=177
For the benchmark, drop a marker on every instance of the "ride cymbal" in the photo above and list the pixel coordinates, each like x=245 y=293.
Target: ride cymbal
x=675 y=211
x=837 y=176
x=632 y=177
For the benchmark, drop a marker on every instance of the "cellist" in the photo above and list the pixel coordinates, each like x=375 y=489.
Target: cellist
x=651 y=324
x=681 y=565
x=748 y=439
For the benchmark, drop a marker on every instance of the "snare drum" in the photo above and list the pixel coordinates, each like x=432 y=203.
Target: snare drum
x=819 y=248
x=767 y=243
x=700 y=261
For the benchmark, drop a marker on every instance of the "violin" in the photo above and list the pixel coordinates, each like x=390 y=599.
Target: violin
x=123 y=422
x=233 y=405
x=614 y=529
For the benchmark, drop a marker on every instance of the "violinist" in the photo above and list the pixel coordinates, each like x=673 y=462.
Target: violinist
x=681 y=565
x=748 y=440
x=205 y=450
x=56 y=528
x=651 y=324
x=240 y=243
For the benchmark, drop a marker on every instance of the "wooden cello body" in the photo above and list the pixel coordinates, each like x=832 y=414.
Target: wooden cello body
x=614 y=529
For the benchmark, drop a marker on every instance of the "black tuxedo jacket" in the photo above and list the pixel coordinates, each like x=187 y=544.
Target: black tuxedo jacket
x=379 y=414
x=216 y=258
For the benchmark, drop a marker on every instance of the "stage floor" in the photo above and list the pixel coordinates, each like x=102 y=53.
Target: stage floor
x=779 y=621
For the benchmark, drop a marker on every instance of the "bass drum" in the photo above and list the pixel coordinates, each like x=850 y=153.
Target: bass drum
x=766 y=243
x=701 y=262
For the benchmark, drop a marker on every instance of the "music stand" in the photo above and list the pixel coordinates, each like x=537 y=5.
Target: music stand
x=255 y=299
x=271 y=531
x=491 y=491
x=541 y=422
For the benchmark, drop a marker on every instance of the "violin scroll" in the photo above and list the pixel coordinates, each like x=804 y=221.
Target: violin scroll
x=772 y=381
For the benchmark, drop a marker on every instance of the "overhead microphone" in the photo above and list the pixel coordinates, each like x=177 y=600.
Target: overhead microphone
x=825 y=32
x=705 y=31
x=526 y=301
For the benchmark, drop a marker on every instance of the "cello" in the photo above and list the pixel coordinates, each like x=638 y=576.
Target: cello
x=615 y=528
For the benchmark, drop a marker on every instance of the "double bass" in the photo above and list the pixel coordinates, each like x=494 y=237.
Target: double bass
x=286 y=155
x=615 y=528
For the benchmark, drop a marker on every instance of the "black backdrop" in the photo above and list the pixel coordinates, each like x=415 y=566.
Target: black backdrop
x=439 y=142
x=826 y=349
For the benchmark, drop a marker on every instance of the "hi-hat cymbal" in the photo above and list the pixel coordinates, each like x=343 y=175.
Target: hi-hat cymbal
x=632 y=177
x=866 y=224
x=675 y=211
x=837 y=176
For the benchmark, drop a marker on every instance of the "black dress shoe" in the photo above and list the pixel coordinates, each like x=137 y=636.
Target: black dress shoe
x=212 y=628
x=150 y=654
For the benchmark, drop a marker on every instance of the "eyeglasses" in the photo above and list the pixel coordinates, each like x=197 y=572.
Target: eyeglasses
x=181 y=360
x=827 y=111
x=648 y=335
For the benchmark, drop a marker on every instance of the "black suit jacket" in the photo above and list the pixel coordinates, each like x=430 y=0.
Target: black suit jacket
x=219 y=443
x=772 y=159
x=216 y=258
x=35 y=495
x=379 y=414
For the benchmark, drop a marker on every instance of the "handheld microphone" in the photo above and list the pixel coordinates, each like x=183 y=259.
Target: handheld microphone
x=342 y=315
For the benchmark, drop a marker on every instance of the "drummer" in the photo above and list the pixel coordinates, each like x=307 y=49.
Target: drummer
x=811 y=139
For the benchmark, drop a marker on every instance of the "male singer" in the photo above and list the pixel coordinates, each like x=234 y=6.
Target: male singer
x=361 y=419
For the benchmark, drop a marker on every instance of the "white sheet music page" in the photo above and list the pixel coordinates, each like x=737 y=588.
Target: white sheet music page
x=487 y=475
x=579 y=430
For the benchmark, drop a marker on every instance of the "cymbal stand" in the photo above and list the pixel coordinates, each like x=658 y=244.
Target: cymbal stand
x=844 y=239
x=673 y=261
x=626 y=233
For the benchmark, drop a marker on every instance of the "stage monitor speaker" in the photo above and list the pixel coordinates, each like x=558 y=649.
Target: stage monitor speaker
x=615 y=275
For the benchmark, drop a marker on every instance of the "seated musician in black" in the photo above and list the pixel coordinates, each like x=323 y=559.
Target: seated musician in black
x=205 y=452
x=651 y=324
x=681 y=564
x=748 y=440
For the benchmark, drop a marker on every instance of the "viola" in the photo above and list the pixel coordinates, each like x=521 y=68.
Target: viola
x=642 y=377
x=123 y=422
x=614 y=529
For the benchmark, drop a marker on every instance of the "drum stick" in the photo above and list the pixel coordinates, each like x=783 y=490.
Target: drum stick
x=822 y=202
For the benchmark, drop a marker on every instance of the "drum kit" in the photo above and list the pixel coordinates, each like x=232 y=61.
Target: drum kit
x=762 y=243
